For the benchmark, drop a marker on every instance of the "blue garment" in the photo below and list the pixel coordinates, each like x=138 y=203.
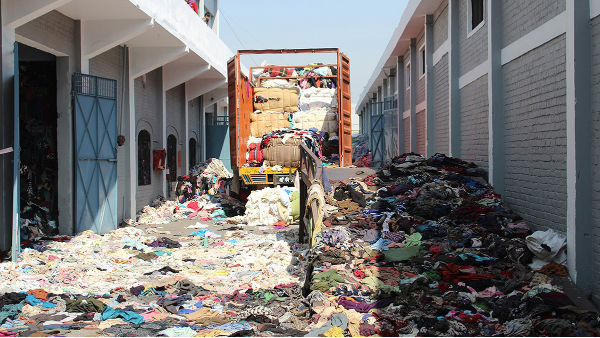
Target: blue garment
x=34 y=301
x=184 y=311
x=381 y=244
x=128 y=316
x=11 y=311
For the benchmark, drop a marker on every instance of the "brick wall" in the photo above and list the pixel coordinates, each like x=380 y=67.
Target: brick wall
x=407 y=135
x=421 y=133
x=440 y=25
x=535 y=135
x=472 y=49
x=474 y=108
x=440 y=80
x=420 y=80
x=596 y=145
x=194 y=126
x=406 y=92
x=148 y=107
x=110 y=65
x=56 y=24
x=521 y=17
x=176 y=120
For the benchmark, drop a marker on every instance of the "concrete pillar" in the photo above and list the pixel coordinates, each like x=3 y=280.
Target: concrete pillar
x=429 y=86
x=385 y=88
x=163 y=128
x=579 y=133
x=65 y=67
x=495 y=97
x=202 y=129
x=413 y=95
x=6 y=133
x=186 y=135
x=400 y=111
x=453 y=76
x=131 y=145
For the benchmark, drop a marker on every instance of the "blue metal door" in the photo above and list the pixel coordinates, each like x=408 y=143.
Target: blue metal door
x=377 y=139
x=217 y=139
x=96 y=153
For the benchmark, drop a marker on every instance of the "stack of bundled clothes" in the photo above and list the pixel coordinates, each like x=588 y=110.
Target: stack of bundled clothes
x=427 y=248
x=308 y=103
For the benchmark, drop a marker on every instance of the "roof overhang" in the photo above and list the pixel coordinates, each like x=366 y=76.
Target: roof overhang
x=410 y=25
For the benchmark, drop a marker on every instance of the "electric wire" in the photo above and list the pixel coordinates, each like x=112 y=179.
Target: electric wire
x=224 y=17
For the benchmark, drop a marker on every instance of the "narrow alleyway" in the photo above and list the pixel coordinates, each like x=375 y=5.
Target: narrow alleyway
x=424 y=247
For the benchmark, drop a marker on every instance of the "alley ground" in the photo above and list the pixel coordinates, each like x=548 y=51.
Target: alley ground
x=218 y=278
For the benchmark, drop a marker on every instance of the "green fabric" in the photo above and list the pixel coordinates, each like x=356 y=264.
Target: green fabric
x=326 y=280
x=376 y=284
x=90 y=305
x=413 y=240
x=403 y=254
x=268 y=296
x=295 y=199
x=433 y=274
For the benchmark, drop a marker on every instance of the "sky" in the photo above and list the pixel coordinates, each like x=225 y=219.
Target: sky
x=361 y=30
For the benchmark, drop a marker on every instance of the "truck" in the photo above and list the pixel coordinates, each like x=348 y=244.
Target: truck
x=246 y=92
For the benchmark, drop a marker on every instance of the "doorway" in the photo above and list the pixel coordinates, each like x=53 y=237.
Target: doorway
x=192 y=148
x=172 y=157
x=38 y=126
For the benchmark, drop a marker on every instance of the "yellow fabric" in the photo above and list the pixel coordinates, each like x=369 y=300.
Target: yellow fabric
x=213 y=333
x=334 y=332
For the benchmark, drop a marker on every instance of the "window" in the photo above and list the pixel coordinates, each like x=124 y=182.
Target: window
x=407 y=76
x=476 y=14
x=144 y=158
x=422 y=61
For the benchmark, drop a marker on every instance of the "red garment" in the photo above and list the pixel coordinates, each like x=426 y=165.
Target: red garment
x=194 y=206
x=194 y=6
x=460 y=273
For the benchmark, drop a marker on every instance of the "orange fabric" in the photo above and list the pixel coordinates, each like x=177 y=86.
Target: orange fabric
x=39 y=294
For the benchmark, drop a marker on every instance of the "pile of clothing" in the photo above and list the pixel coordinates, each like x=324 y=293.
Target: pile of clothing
x=268 y=206
x=432 y=251
x=199 y=195
x=130 y=283
x=204 y=208
x=361 y=154
x=314 y=73
x=210 y=177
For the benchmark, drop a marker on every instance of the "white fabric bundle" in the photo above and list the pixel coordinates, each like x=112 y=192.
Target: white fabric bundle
x=268 y=206
x=324 y=119
x=311 y=98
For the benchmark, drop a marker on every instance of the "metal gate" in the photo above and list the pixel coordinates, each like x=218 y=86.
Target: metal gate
x=377 y=128
x=217 y=139
x=95 y=135
x=390 y=133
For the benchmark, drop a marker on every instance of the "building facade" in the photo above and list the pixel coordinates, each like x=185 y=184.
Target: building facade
x=513 y=86
x=90 y=92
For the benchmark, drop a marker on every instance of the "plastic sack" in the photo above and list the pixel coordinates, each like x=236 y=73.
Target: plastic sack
x=547 y=246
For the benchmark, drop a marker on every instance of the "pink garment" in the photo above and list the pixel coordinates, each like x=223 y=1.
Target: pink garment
x=148 y=316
